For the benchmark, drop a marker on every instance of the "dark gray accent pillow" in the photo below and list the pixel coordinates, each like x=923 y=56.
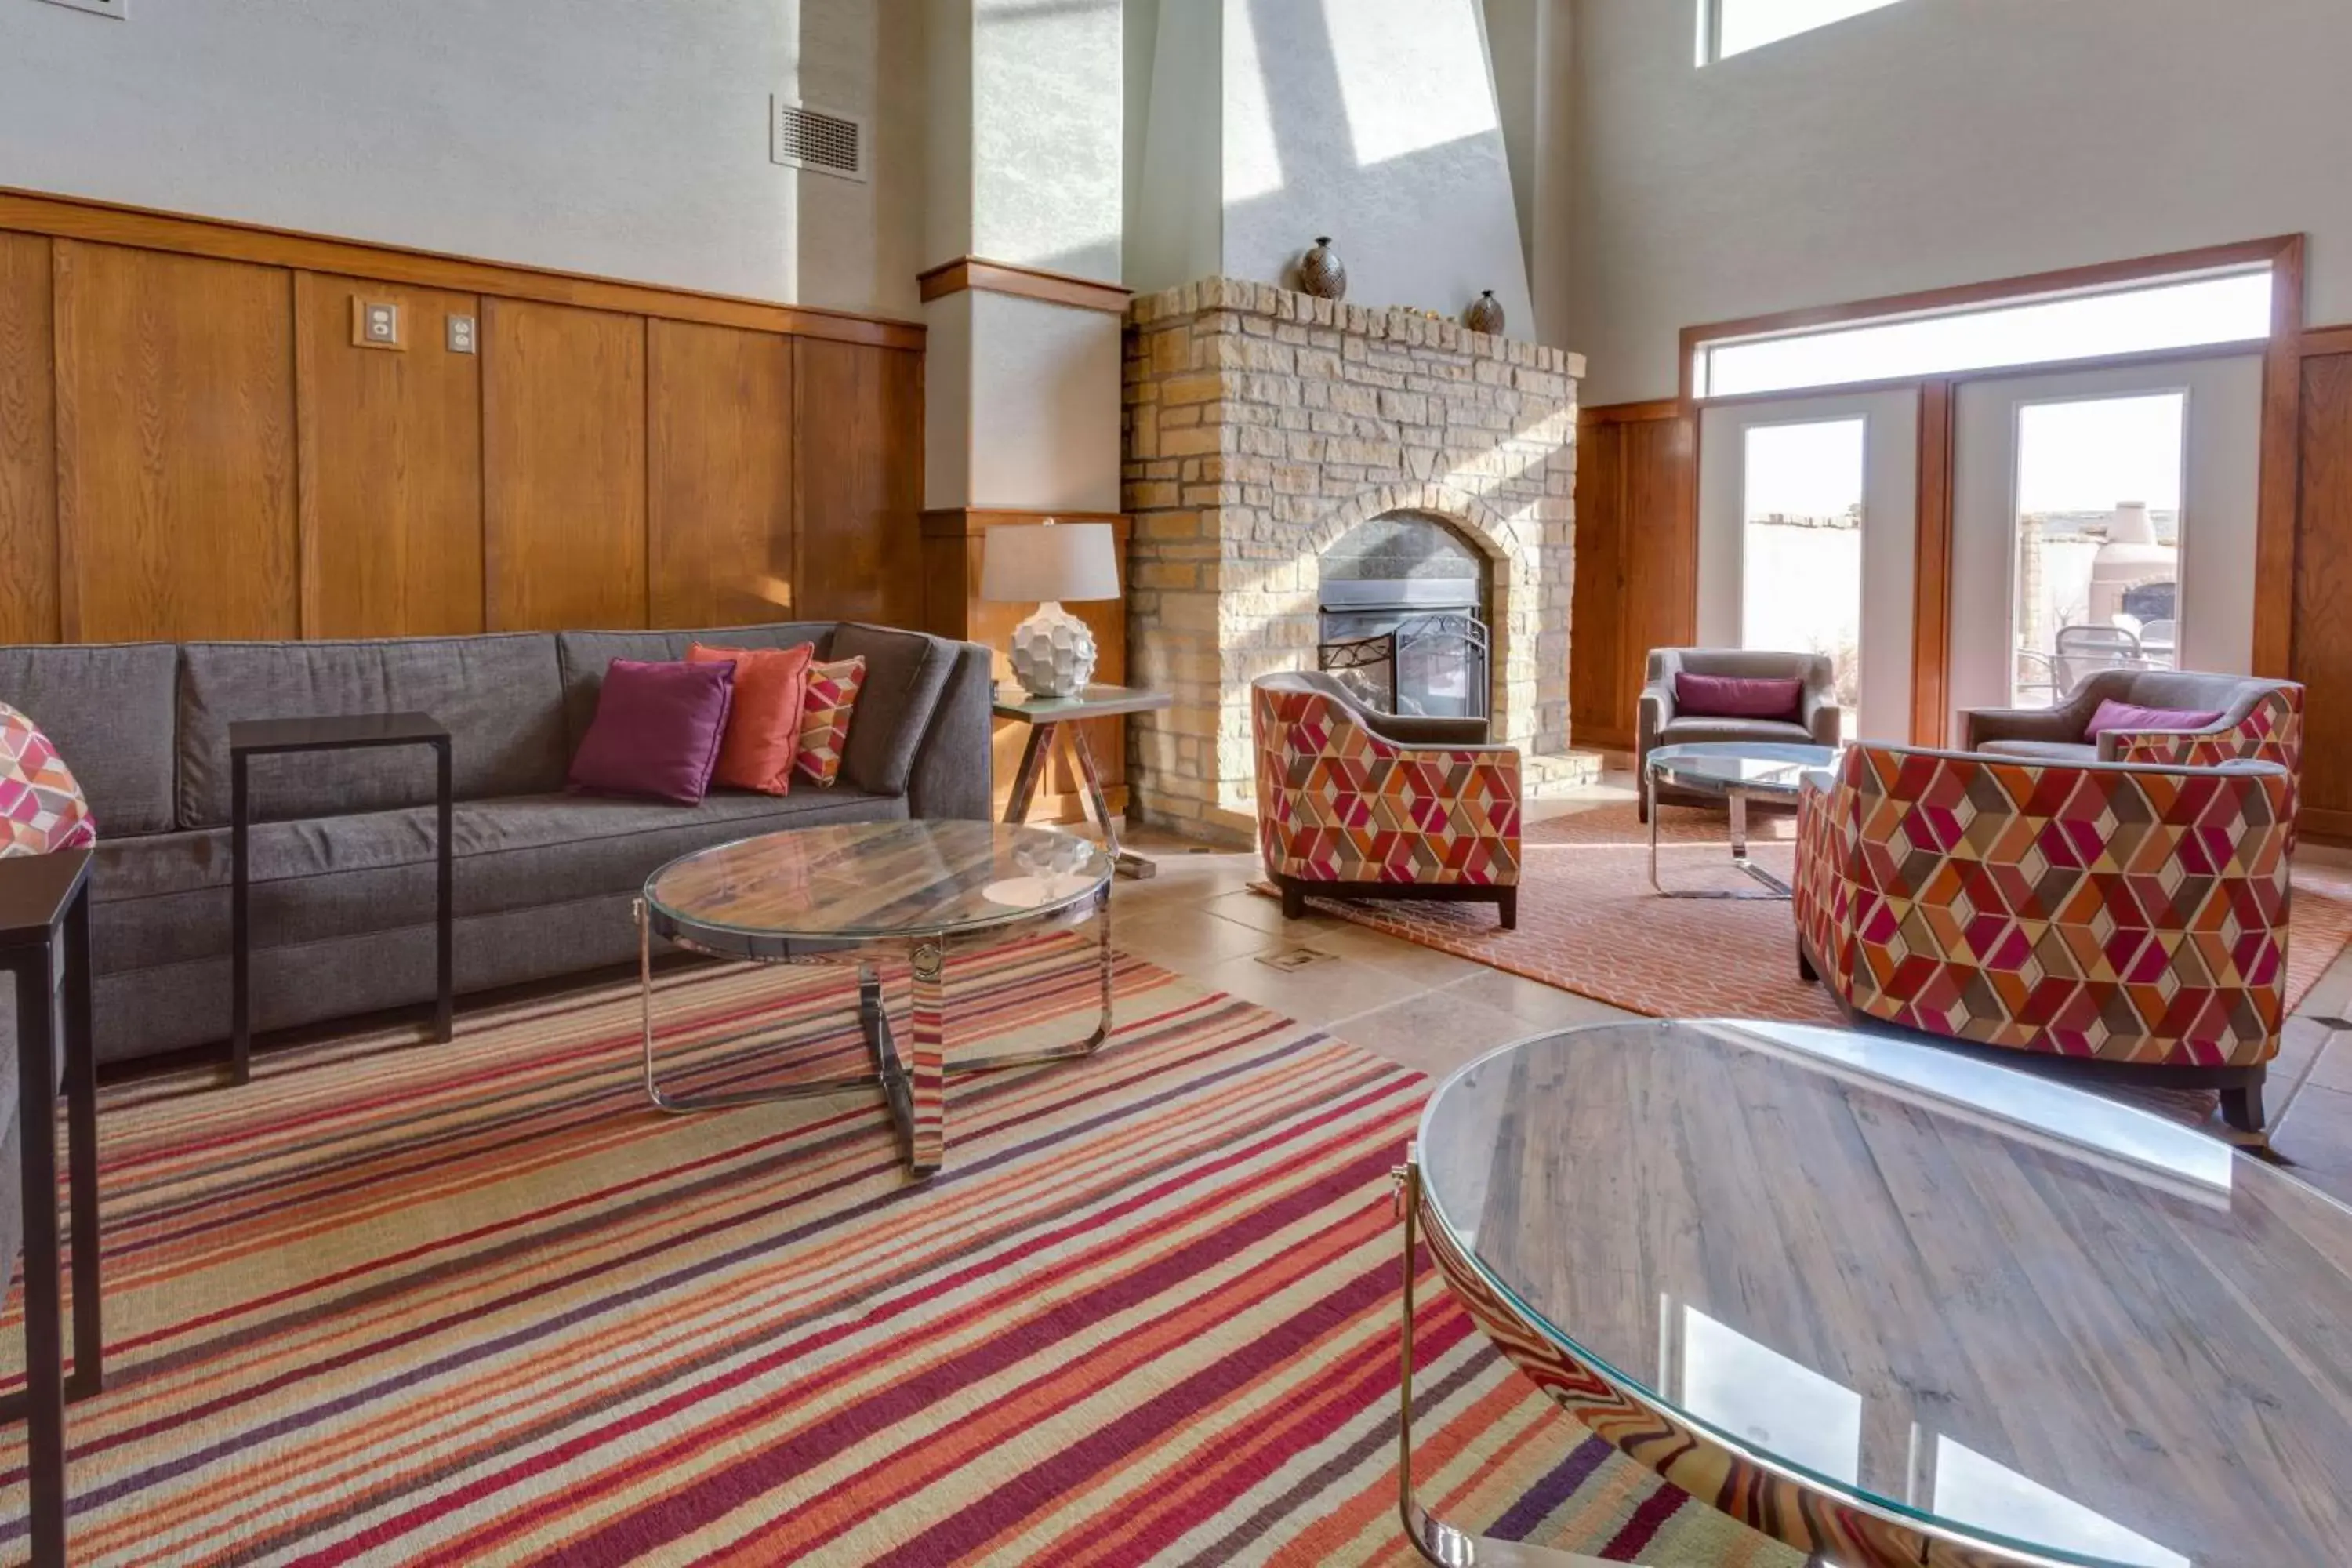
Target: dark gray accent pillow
x=904 y=673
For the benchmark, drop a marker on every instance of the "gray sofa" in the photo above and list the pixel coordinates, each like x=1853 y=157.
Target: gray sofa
x=342 y=846
x=1819 y=723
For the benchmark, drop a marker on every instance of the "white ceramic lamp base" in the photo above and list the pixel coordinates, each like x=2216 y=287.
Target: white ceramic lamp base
x=1052 y=653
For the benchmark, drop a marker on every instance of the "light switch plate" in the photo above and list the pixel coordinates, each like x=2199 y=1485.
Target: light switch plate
x=118 y=9
x=375 y=323
x=461 y=335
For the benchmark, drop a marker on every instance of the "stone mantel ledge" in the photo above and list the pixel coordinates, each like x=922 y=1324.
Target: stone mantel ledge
x=1378 y=321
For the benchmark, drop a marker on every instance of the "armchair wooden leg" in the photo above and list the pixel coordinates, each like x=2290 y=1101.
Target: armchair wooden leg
x=1805 y=971
x=2241 y=1107
x=1507 y=908
x=1294 y=901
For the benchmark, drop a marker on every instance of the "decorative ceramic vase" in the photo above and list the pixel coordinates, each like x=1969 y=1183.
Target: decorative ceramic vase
x=1485 y=314
x=1052 y=653
x=1320 y=273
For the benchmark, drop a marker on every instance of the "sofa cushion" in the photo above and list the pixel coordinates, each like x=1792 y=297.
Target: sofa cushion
x=904 y=673
x=1738 y=696
x=501 y=696
x=585 y=656
x=2041 y=751
x=1688 y=730
x=2113 y=715
x=828 y=708
x=42 y=809
x=109 y=709
x=763 y=727
x=165 y=899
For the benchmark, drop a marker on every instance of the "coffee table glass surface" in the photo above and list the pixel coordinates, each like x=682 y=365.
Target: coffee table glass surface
x=1963 y=1314
x=866 y=896
x=857 y=881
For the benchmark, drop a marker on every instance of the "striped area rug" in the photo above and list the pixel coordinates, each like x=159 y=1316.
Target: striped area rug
x=478 y=1303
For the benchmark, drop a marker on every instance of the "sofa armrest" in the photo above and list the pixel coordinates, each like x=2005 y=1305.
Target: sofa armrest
x=1823 y=718
x=1983 y=724
x=1653 y=712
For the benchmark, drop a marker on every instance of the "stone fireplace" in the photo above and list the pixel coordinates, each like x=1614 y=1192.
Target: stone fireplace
x=1263 y=428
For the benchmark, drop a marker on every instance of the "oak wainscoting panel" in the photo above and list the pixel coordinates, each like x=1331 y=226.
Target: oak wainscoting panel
x=1636 y=585
x=858 y=477
x=29 y=443
x=392 y=465
x=719 y=478
x=175 y=445
x=192 y=444
x=2323 y=594
x=563 y=449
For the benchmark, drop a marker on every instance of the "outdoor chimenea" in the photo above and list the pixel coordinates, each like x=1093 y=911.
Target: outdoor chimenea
x=1404 y=618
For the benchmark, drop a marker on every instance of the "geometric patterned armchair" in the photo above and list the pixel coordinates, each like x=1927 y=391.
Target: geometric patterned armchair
x=2132 y=914
x=1357 y=803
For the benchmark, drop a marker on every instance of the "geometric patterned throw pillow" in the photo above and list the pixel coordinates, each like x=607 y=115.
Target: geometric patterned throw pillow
x=824 y=716
x=41 y=807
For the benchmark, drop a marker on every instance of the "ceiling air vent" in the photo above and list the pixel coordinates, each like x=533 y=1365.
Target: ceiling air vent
x=805 y=138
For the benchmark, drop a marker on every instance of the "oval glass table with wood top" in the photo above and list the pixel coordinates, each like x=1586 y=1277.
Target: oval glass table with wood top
x=1896 y=1305
x=861 y=893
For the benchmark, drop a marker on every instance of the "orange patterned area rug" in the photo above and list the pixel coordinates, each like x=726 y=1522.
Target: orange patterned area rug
x=478 y=1303
x=1589 y=922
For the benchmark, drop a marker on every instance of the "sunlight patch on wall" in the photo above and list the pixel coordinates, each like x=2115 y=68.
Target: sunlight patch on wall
x=1413 y=74
x=1252 y=158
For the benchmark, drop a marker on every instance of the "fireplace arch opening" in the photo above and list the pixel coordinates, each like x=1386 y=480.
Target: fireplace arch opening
x=1403 y=602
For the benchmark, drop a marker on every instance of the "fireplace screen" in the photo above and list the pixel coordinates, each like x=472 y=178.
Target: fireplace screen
x=1403 y=622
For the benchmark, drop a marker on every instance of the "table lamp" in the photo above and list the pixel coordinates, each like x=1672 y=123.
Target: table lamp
x=1053 y=652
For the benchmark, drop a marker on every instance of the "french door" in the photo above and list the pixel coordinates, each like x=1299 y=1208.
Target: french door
x=2102 y=518
x=1806 y=539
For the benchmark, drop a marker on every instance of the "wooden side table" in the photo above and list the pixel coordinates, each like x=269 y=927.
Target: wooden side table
x=1048 y=717
x=250 y=738
x=45 y=948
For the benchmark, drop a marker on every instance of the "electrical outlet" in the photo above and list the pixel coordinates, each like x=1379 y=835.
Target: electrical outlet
x=461 y=335
x=118 y=9
x=375 y=323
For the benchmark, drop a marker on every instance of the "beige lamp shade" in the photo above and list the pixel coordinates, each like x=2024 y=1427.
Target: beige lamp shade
x=1048 y=562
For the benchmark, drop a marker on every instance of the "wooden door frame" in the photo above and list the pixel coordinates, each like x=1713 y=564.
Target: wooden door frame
x=2281 y=417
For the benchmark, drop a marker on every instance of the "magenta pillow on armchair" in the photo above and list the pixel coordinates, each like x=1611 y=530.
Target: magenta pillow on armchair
x=2114 y=715
x=1738 y=696
x=656 y=731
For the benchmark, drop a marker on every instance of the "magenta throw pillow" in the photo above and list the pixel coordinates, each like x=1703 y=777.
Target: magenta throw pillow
x=2114 y=715
x=656 y=731
x=1738 y=696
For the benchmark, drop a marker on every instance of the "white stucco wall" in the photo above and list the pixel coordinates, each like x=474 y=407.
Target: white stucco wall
x=605 y=136
x=1933 y=142
x=1047 y=136
x=1373 y=122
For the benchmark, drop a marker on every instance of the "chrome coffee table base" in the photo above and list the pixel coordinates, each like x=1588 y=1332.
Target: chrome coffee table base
x=1435 y=1540
x=1737 y=801
x=912 y=1080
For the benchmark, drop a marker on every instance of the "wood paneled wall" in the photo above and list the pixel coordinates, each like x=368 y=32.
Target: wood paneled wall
x=1636 y=560
x=2322 y=653
x=192 y=444
x=955 y=542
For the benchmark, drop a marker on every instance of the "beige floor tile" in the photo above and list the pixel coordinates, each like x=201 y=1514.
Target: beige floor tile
x=2315 y=1138
x=1436 y=1031
x=1425 y=966
x=1319 y=994
x=1187 y=938
x=1535 y=1003
x=1255 y=909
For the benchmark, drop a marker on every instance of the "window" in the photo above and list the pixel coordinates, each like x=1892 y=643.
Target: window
x=2167 y=313
x=1800 y=550
x=1727 y=27
x=2095 y=562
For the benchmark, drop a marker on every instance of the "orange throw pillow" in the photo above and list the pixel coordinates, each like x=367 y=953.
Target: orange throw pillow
x=763 y=728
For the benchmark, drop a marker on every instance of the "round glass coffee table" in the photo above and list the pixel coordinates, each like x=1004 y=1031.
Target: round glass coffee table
x=855 y=893
x=1736 y=771
x=1896 y=1305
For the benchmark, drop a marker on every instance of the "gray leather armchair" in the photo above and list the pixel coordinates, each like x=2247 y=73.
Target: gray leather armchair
x=1819 y=721
x=2244 y=703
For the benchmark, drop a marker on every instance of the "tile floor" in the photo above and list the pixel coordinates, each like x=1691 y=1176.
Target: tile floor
x=1434 y=1011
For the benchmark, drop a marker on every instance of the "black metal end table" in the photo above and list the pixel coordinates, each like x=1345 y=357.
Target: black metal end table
x=250 y=738
x=45 y=946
